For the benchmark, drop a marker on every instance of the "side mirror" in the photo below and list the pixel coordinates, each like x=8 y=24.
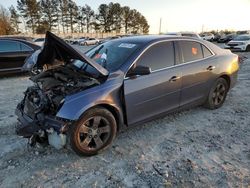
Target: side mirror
x=139 y=70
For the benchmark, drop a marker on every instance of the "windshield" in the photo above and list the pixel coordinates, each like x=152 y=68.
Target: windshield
x=110 y=55
x=242 y=37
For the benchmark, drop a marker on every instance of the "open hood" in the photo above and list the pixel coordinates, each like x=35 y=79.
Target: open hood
x=57 y=49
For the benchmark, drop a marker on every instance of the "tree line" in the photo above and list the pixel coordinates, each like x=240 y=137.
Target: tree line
x=65 y=16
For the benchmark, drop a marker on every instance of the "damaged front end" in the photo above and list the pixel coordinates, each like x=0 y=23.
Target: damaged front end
x=53 y=81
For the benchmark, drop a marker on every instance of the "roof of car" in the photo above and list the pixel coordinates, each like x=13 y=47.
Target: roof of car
x=144 y=39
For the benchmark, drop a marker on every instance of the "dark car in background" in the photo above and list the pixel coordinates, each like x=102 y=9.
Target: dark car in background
x=90 y=97
x=226 y=38
x=13 y=53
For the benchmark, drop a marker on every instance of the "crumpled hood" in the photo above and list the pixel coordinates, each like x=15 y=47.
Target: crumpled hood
x=56 y=48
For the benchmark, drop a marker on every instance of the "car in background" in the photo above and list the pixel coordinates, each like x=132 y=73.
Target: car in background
x=124 y=82
x=208 y=37
x=39 y=41
x=108 y=39
x=13 y=53
x=226 y=38
x=216 y=37
x=239 y=43
x=185 y=34
x=89 y=41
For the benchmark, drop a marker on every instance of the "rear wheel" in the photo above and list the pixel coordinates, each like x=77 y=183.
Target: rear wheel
x=217 y=94
x=94 y=132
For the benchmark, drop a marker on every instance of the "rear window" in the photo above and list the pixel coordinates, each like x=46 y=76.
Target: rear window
x=191 y=51
x=206 y=51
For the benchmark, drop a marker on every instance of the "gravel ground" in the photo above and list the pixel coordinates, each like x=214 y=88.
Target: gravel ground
x=193 y=148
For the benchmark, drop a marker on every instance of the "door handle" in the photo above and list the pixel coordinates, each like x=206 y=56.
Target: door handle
x=210 y=68
x=174 y=79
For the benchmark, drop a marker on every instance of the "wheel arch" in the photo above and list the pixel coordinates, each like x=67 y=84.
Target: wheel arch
x=113 y=110
x=227 y=78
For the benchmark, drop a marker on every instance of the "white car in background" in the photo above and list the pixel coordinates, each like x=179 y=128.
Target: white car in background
x=239 y=43
x=185 y=34
x=39 y=41
x=89 y=41
x=208 y=37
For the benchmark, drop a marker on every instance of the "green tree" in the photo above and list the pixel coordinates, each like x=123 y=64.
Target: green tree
x=30 y=10
x=63 y=13
x=127 y=17
x=115 y=16
x=103 y=19
x=72 y=15
x=88 y=17
x=49 y=10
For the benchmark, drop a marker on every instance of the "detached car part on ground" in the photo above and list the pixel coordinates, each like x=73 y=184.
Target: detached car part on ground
x=86 y=99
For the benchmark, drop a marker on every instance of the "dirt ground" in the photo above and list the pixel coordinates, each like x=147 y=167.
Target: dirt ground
x=194 y=148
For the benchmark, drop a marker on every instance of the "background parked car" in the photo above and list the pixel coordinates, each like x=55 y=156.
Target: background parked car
x=216 y=37
x=185 y=34
x=108 y=39
x=13 y=52
x=226 y=38
x=239 y=43
x=208 y=37
x=89 y=41
x=39 y=41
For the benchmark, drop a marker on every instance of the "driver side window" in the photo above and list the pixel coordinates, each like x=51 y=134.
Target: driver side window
x=158 y=56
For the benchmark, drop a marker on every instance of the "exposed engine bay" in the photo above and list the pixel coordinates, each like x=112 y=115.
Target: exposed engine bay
x=52 y=86
x=43 y=100
x=55 y=76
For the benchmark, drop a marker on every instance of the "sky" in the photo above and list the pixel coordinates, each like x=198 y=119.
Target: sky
x=183 y=15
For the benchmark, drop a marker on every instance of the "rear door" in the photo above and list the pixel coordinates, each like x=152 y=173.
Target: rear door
x=150 y=95
x=197 y=69
x=13 y=54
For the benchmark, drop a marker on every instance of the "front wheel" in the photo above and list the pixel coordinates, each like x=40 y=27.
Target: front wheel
x=217 y=94
x=94 y=132
x=248 y=48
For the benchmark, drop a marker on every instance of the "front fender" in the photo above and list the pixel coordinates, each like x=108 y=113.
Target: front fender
x=75 y=105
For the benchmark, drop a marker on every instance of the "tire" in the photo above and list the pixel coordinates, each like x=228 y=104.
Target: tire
x=85 y=44
x=248 y=48
x=93 y=133
x=217 y=94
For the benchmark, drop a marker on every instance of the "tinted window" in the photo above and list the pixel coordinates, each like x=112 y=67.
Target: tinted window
x=9 y=46
x=25 y=48
x=13 y=46
x=191 y=51
x=206 y=52
x=158 y=56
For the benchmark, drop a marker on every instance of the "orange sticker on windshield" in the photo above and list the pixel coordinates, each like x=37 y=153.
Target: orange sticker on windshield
x=194 y=51
x=97 y=56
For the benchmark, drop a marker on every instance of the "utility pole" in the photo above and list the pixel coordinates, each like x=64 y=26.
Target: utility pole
x=160 y=27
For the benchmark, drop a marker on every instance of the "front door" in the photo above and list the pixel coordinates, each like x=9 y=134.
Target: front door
x=151 y=95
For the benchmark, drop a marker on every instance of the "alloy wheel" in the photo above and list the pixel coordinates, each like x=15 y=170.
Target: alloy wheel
x=219 y=94
x=94 y=133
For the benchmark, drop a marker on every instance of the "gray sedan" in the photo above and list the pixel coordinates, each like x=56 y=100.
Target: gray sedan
x=87 y=98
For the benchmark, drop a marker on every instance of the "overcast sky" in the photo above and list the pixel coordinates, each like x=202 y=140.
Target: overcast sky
x=184 y=15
